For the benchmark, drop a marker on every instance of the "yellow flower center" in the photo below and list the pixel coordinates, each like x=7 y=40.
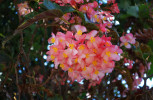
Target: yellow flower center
x=116 y=52
x=76 y=60
x=108 y=53
x=62 y=66
x=71 y=46
x=61 y=40
x=96 y=72
x=104 y=18
x=79 y=32
x=107 y=44
x=105 y=61
x=92 y=39
x=65 y=55
x=126 y=43
x=108 y=30
x=94 y=63
x=81 y=47
x=84 y=69
x=70 y=70
x=84 y=8
x=98 y=20
x=52 y=57
x=55 y=49
x=95 y=16
x=94 y=50
x=87 y=55
x=53 y=40
x=109 y=24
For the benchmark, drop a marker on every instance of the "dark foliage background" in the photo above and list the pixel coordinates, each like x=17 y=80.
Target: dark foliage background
x=24 y=44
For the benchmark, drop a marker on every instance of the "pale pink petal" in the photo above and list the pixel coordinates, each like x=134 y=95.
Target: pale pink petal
x=74 y=52
x=101 y=74
x=128 y=46
x=123 y=39
x=69 y=34
x=93 y=33
x=89 y=44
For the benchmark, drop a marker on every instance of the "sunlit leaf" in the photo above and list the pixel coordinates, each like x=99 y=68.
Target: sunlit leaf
x=133 y=11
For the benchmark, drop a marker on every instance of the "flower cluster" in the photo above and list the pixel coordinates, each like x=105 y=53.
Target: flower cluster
x=136 y=81
x=128 y=63
x=127 y=40
x=24 y=9
x=83 y=55
x=91 y=12
x=101 y=18
x=71 y=2
x=70 y=17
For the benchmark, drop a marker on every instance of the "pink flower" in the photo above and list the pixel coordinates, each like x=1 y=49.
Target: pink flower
x=66 y=1
x=102 y=27
x=111 y=1
x=141 y=69
x=91 y=36
x=83 y=8
x=79 y=30
x=74 y=75
x=148 y=65
x=114 y=8
x=136 y=82
x=93 y=5
x=52 y=39
x=130 y=38
x=66 y=16
x=79 y=1
x=75 y=19
x=83 y=55
x=24 y=8
x=127 y=39
x=40 y=78
x=128 y=63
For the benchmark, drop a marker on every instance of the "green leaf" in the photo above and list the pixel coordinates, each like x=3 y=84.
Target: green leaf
x=145 y=48
x=150 y=72
x=4 y=58
x=124 y=4
x=133 y=11
x=30 y=15
x=83 y=95
x=124 y=16
x=150 y=43
x=56 y=97
x=144 y=11
x=1 y=35
x=81 y=15
x=150 y=59
x=50 y=5
x=91 y=26
x=2 y=67
x=66 y=9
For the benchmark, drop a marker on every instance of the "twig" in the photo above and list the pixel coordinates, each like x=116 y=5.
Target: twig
x=48 y=78
x=7 y=95
x=16 y=75
x=6 y=77
x=9 y=38
x=32 y=38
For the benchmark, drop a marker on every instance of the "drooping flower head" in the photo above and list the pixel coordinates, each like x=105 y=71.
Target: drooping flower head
x=127 y=40
x=83 y=55
x=24 y=8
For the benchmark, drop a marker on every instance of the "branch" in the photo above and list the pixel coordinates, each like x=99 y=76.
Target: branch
x=44 y=15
